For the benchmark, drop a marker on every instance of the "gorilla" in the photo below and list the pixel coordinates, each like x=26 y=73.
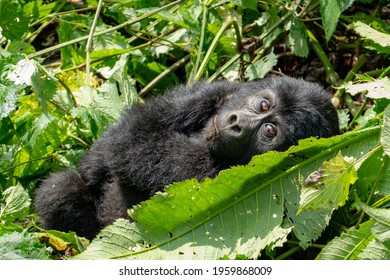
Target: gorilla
x=190 y=132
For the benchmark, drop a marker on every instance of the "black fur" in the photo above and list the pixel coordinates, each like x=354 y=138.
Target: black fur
x=176 y=137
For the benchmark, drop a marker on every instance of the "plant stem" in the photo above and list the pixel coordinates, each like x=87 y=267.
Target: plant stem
x=312 y=245
x=260 y=38
x=26 y=162
x=88 y=47
x=358 y=113
x=385 y=72
x=351 y=74
x=271 y=29
x=30 y=38
x=115 y=28
x=163 y=74
x=224 y=67
x=201 y=42
x=332 y=76
x=285 y=255
x=58 y=14
x=86 y=145
x=149 y=28
x=382 y=201
x=347 y=97
x=214 y=44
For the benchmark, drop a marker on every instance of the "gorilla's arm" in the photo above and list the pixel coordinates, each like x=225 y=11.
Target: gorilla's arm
x=189 y=108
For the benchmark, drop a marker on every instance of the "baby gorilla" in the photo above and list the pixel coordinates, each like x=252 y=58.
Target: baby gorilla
x=190 y=132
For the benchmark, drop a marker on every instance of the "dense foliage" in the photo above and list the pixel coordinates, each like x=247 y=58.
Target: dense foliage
x=68 y=69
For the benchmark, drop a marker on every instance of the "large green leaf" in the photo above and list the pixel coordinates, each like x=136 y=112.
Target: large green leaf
x=240 y=212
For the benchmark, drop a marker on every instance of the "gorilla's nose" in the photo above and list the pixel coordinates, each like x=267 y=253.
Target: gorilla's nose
x=237 y=125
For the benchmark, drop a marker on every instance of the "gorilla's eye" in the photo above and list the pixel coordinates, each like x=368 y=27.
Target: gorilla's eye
x=269 y=130
x=264 y=106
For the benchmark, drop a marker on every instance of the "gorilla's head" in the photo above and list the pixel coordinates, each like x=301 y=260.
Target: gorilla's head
x=272 y=114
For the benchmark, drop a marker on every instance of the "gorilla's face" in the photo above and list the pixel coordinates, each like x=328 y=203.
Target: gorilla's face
x=263 y=117
x=253 y=127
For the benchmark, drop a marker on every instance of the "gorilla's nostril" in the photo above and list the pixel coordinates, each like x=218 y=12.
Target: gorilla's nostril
x=236 y=128
x=233 y=119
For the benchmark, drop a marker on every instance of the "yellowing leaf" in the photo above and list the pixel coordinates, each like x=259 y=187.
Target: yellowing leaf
x=57 y=243
x=328 y=187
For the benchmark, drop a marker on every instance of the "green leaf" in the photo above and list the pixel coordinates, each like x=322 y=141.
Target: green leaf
x=8 y=101
x=26 y=73
x=35 y=132
x=112 y=41
x=377 y=89
x=250 y=4
x=21 y=246
x=385 y=135
x=176 y=19
x=328 y=187
x=108 y=102
x=15 y=204
x=36 y=10
x=298 y=39
x=330 y=11
x=381 y=41
x=9 y=227
x=355 y=244
x=44 y=89
x=118 y=72
x=364 y=119
x=374 y=172
x=261 y=67
x=13 y=23
x=238 y=213
x=375 y=250
x=381 y=227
